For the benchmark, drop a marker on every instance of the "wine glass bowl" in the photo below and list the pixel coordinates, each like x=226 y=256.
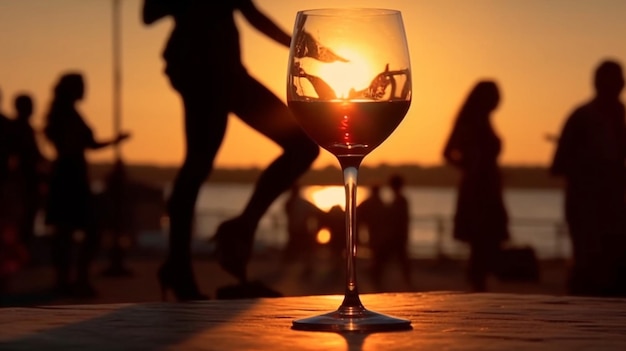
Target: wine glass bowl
x=349 y=81
x=349 y=87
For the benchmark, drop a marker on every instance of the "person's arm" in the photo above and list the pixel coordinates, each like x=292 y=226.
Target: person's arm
x=452 y=153
x=263 y=23
x=95 y=145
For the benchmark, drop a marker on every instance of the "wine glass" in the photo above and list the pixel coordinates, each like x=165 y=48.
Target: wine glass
x=349 y=87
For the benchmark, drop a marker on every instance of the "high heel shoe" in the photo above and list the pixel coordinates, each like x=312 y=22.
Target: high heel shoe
x=233 y=247
x=180 y=282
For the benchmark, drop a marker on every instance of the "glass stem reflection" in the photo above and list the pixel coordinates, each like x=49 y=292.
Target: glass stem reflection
x=351 y=305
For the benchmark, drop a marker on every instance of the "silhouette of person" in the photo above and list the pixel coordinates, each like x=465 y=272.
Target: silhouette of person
x=398 y=217
x=303 y=222
x=590 y=156
x=9 y=212
x=335 y=221
x=117 y=203
x=371 y=215
x=13 y=255
x=5 y=146
x=481 y=219
x=203 y=64
x=70 y=200
x=31 y=166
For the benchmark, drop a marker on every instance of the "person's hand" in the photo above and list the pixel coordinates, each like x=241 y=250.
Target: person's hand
x=121 y=137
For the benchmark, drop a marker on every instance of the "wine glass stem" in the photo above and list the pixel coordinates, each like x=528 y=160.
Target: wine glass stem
x=351 y=304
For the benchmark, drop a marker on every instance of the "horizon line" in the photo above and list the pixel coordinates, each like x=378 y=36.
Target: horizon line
x=249 y=167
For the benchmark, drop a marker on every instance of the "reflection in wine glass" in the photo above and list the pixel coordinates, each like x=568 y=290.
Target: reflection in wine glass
x=349 y=86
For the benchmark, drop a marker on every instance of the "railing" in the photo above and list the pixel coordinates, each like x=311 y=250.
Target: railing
x=430 y=235
x=548 y=236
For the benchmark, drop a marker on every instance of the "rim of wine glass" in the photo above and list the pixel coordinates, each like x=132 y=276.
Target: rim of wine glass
x=349 y=11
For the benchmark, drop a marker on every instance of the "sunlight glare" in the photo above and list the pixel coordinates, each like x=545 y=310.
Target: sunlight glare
x=328 y=196
x=355 y=74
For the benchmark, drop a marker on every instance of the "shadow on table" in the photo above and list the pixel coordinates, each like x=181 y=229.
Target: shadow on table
x=140 y=327
x=132 y=327
x=31 y=298
x=355 y=341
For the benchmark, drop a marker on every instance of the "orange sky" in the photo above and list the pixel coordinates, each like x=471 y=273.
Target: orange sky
x=542 y=54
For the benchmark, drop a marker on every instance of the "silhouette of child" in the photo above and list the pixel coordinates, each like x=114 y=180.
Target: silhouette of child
x=5 y=150
x=31 y=166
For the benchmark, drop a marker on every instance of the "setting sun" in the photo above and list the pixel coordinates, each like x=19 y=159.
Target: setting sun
x=356 y=74
x=452 y=45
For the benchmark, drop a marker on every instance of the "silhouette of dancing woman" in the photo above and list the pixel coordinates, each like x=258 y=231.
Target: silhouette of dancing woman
x=590 y=156
x=69 y=206
x=481 y=219
x=203 y=64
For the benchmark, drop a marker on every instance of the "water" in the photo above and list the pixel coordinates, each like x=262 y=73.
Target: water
x=535 y=217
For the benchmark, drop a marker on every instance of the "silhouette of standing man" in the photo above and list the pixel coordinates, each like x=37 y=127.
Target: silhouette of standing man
x=590 y=156
x=203 y=64
x=481 y=218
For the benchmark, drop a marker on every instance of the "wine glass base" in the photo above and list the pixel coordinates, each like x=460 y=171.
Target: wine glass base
x=367 y=321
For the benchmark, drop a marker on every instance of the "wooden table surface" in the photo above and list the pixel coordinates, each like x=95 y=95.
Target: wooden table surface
x=440 y=321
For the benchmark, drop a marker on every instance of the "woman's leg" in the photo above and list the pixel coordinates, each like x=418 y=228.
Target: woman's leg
x=482 y=261
x=405 y=263
x=61 y=257
x=477 y=270
x=89 y=248
x=267 y=114
x=205 y=125
x=264 y=112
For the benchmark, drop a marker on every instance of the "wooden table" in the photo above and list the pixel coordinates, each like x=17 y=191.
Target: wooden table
x=440 y=320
